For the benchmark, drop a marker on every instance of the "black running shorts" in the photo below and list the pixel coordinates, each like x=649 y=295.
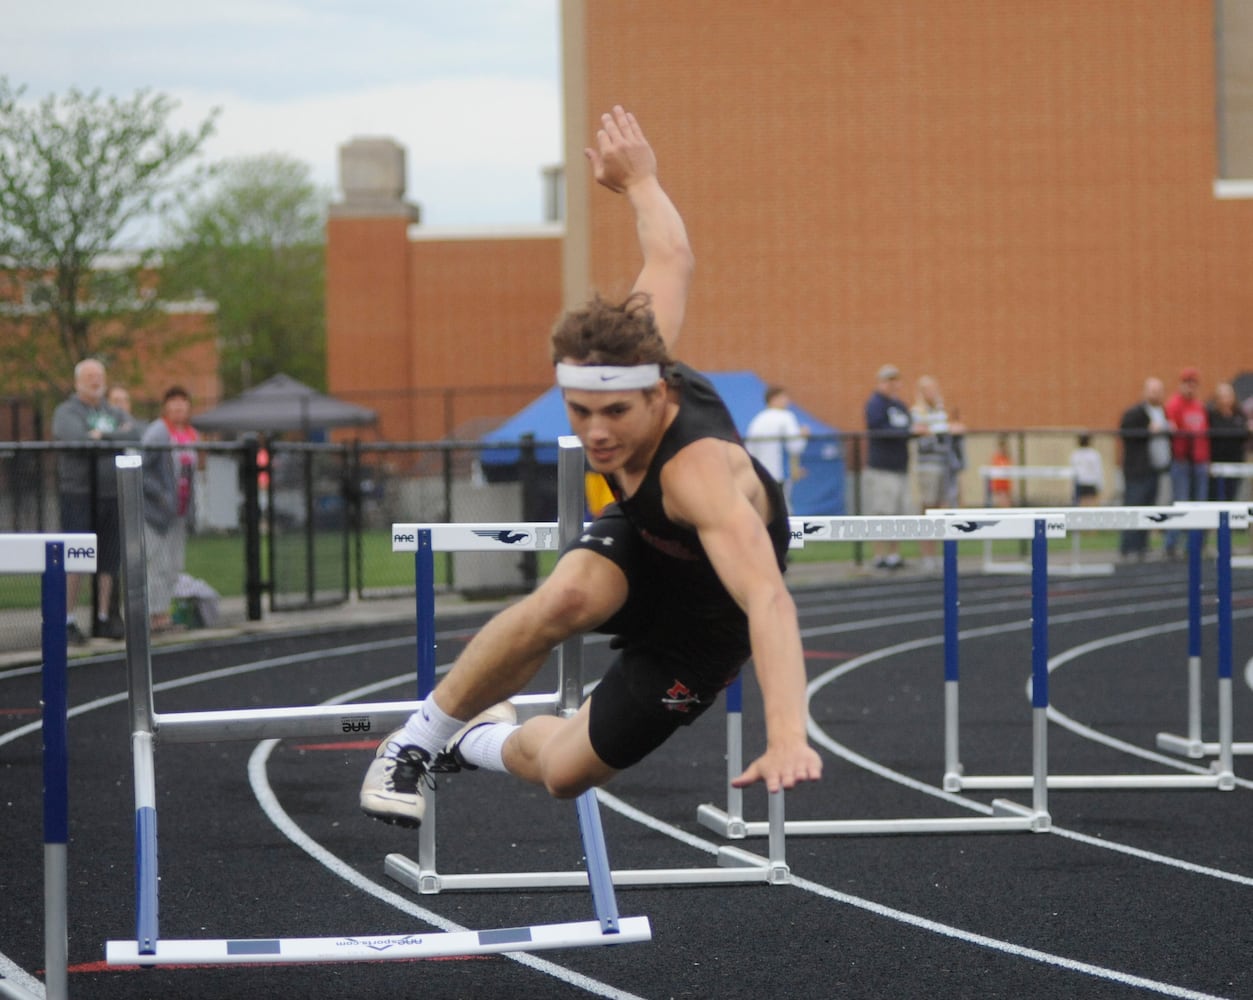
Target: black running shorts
x=682 y=639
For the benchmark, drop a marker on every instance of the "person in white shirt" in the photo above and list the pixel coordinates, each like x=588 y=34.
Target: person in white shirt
x=776 y=438
x=1089 y=472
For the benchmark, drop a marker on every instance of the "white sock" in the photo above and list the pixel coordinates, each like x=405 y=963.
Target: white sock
x=483 y=746
x=430 y=727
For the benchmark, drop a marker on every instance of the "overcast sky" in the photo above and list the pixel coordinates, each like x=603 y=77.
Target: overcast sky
x=471 y=88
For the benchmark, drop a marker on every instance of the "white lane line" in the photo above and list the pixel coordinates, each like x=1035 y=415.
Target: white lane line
x=1095 y=735
x=1014 y=950
x=821 y=737
x=269 y=803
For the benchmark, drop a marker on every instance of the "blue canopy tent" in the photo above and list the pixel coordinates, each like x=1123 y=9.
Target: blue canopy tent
x=821 y=491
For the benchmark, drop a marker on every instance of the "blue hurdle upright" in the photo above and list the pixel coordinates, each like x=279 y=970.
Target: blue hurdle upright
x=1194 y=519
x=1193 y=744
x=735 y=866
x=148 y=727
x=52 y=556
x=1006 y=816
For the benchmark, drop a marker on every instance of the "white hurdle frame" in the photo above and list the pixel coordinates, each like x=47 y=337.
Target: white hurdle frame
x=1007 y=816
x=1233 y=470
x=1192 y=744
x=51 y=557
x=735 y=866
x=1075 y=567
x=148 y=727
x=1195 y=520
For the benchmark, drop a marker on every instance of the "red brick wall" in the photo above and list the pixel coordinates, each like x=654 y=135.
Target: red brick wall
x=1013 y=196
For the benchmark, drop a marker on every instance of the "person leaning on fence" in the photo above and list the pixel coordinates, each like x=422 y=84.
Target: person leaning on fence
x=1189 y=466
x=685 y=568
x=169 y=500
x=87 y=486
x=1228 y=439
x=1145 y=433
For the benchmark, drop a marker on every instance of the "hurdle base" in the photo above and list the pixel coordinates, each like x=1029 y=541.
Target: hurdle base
x=722 y=822
x=736 y=867
x=379 y=948
x=1007 y=818
x=1186 y=747
x=1222 y=780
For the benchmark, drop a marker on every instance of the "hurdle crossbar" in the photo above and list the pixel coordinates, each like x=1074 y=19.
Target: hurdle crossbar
x=148 y=948
x=1194 y=519
x=735 y=866
x=1192 y=744
x=1007 y=816
x=52 y=556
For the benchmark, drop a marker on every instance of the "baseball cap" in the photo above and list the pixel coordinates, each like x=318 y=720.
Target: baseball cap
x=1189 y=375
x=888 y=371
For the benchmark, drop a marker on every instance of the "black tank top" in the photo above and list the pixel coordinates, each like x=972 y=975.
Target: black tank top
x=702 y=414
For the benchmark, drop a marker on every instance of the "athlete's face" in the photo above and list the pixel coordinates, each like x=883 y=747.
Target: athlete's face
x=618 y=429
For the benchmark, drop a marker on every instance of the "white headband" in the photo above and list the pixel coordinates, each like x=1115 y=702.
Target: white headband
x=607 y=378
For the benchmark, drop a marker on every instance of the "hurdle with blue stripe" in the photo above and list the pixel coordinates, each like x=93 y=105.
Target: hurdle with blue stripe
x=1194 y=519
x=51 y=557
x=1007 y=816
x=735 y=866
x=1192 y=743
x=148 y=727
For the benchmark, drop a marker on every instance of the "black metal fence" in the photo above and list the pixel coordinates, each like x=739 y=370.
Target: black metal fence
x=300 y=525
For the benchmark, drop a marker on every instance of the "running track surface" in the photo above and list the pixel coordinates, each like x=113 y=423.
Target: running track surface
x=1131 y=894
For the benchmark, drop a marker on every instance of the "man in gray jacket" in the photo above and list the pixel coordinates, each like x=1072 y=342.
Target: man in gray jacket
x=87 y=483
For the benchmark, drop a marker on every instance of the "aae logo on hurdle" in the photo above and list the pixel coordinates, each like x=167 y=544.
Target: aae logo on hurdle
x=26 y=553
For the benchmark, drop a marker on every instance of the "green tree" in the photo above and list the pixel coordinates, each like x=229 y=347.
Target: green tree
x=256 y=245
x=77 y=171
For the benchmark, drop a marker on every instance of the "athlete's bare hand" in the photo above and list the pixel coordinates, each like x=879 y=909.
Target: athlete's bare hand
x=622 y=155
x=782 y=767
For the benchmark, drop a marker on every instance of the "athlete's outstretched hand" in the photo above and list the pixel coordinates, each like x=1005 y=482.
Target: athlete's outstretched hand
x=622 y=155
x=782 y=767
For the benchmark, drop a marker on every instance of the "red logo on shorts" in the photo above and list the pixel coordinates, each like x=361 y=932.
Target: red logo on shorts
x=679 y=698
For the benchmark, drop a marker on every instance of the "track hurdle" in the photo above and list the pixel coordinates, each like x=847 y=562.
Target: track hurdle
x=1193 y=745
x=735 y=866
x=52 y=556
x=148 y=727
x=1007 y=816
x=1075 y=566
x=1194 y=520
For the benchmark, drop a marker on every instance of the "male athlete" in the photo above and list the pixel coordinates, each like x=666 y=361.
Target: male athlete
x=685 y=568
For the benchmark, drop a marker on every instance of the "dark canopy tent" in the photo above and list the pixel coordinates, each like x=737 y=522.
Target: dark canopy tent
x=821 y=491
x=280 y=404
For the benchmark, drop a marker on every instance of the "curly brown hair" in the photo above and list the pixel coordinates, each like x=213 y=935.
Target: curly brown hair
x=605 y=333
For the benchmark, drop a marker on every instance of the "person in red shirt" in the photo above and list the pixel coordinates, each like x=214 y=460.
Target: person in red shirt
x=1189 y=458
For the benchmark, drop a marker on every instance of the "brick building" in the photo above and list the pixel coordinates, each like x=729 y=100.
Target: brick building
x=1033 y=200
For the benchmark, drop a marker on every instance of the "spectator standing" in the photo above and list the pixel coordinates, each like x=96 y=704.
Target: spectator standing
x=776 y=438
x=1089 y=472
x=119 y=397
x=885 y=480
x=939 y=458
x=1228 y=438
x=1189 y=465
x=169 y=500
x=1146 y=451
x=1000 y=489
x=87 y=486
